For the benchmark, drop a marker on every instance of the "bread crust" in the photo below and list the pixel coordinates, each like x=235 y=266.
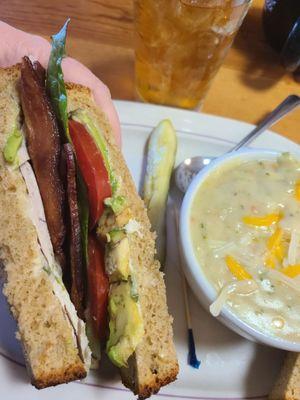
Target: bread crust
x=64 y=375
x=147 y=388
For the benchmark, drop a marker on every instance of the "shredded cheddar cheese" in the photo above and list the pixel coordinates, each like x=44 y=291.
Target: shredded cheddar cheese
x=275 y=247
x=279 y=252
x=291 y=270
x=275 y=240
x=297 y=190
x=237 y=269
x=265 y=220
x=270 y=260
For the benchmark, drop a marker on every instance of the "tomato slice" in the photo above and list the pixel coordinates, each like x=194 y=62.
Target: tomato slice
x=92 y=168
x=98 y=286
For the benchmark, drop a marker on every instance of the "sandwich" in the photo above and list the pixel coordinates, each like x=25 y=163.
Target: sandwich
x=75 y=241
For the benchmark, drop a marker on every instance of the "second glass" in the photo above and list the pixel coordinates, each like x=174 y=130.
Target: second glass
x=180 y=45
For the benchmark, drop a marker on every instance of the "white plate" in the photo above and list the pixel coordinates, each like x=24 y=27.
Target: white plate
x=232 y=367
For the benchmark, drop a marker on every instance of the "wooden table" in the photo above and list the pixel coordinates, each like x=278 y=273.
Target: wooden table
x=250 y=83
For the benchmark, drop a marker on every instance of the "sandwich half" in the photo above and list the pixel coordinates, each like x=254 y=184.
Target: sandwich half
x=79 y=258
x=154 y=362
x=53 y=337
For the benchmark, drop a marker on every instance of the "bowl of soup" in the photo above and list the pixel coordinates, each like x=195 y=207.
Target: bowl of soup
x=240 y=237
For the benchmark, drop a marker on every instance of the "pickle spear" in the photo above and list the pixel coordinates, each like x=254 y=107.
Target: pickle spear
x=161 y=155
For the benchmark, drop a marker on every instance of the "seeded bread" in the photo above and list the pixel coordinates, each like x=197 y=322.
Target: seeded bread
x=154 y=362
x=287 y=386
x=46 y=334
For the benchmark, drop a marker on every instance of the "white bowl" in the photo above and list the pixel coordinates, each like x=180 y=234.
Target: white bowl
x=200 y=285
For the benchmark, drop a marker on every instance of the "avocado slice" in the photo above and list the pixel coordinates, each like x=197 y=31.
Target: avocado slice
x=116 y=235
x=12 y=146
x=126 y=325
x=116 y=203
x=111 y=221
x=117 y=260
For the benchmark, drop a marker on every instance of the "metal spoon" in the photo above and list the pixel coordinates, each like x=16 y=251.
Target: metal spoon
x=186 y=170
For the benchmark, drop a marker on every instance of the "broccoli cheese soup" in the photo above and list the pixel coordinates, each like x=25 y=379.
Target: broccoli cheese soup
x=245 y=229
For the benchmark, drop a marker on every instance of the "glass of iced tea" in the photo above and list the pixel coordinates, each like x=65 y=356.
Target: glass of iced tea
x=180 y=45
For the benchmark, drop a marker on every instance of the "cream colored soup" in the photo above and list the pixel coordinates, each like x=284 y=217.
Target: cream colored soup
x=245 y=227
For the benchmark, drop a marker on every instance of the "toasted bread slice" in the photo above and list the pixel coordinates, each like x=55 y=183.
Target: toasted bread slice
x=154 y=362
x=287 y=386
x=46 y=327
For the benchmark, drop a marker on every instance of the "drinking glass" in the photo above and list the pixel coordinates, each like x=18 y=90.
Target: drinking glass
x=180 y=45
x=281 y=21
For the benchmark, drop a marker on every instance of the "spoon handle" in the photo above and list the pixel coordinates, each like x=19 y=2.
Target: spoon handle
x=280 y=111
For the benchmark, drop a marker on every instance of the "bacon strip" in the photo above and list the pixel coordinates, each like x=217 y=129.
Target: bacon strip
x=40 y=71
x=44 y=148
x=76 y=257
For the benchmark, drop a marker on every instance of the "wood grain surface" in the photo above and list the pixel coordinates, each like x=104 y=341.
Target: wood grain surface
x=250 y=83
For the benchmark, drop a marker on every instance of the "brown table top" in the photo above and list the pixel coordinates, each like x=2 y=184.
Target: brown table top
x=250 y=83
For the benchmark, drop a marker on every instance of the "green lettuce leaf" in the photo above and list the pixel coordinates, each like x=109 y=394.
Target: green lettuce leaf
x=55 y=79
x=58 y=96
